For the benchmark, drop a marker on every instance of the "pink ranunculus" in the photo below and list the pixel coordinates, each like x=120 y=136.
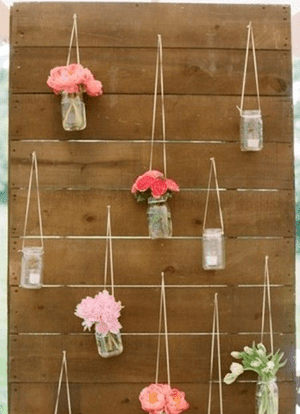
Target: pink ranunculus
x=152 y=398
x=143 y=182
x=175 y=402
x=172 y=185
x=93 y=88
x=87 y=76
x=158 y=188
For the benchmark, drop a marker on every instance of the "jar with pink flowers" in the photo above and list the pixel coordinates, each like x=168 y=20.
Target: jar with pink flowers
x=72 y=81
x=154 y=188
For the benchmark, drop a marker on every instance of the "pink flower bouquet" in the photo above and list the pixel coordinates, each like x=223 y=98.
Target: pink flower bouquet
x=74 y=78
x=153 y=184
x=102 y=310
x=160 y=398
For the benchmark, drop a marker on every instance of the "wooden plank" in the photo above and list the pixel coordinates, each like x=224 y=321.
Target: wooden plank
x=115 y=165
x=115 y=398
x=240 y=308
x=132 y=70
x=83 y=213
x=123 y=25
x=80 y=262
x=130 y=116
x=38 y=358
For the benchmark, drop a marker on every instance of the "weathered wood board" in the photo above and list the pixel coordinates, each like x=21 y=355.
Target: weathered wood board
x=82 y=172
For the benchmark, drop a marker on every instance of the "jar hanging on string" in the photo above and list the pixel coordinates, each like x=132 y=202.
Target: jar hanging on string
x=32 y=259
x=103 y=311
x=153 y=186
x=266 y=396
x=73 y=111
x=213 y=242
x=72 y=81
x=251 y=124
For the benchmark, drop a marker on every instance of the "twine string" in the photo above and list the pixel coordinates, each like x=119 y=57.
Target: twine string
x=213 y=169
x=159 y=71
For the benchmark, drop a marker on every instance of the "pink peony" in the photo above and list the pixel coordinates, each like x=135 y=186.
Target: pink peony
x=73 y=78
x=103 y=310
x=152 y=398
x=175 y=402
x=159 y=188
x=93 y=88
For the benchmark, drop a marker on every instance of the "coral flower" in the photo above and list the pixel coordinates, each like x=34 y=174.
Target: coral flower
x=175 y=402
x=159 y=188
x=152 y=398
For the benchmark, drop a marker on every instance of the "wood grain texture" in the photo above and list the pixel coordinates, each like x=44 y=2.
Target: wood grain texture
x=116 y=165
x=132 y=70
x=115 y=398
x=240 y=308
x=204 y=52
x=136 y=262
x=83 y=213
x=181 y=25
x=38 y=358
x=129 y=117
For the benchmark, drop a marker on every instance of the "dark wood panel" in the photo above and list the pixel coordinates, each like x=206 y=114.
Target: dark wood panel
x=80 y=261
x=181 y=25
x=38 y=359
x=115 y=398
x=130 y=117
x=132 y=70
x=83 y=213
x=240 y=308
x=116 y=165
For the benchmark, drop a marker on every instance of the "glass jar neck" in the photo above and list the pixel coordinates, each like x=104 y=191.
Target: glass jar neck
x=160 y=200
x=266 y=382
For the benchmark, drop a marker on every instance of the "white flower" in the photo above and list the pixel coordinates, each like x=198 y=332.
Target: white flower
x=269 y=367
x=235 y=354
x=255 y=363
x=248 y=350
x=262 y=348
x=229 y=378
x=236 y=369
x=261 y=352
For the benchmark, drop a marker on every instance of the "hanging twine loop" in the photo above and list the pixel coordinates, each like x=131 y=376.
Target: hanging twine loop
x=63 y=367
x=215 y=333
x=250 y=37
x=74 y=31
x=159 y=70
x=267 y=295
x=163 y=310
x=213 y=169
x=34 y=167
x=109 y=248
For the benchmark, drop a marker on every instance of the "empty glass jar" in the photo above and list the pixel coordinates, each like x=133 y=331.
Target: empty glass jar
x=159 y=218
x=32 y=268
x=73 y=111
x=251 y=130
x=266 y=397
x=109 y=344
x=213 y=249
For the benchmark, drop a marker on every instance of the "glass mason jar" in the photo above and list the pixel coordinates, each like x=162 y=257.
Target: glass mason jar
x=159 y=218
x=73 y=111
x=213 y=249
x=266 y=397
x=32 y=268
x=109 y=344
x=251 y=130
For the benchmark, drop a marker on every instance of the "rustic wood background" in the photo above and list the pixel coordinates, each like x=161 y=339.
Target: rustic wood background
x=82 y=172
